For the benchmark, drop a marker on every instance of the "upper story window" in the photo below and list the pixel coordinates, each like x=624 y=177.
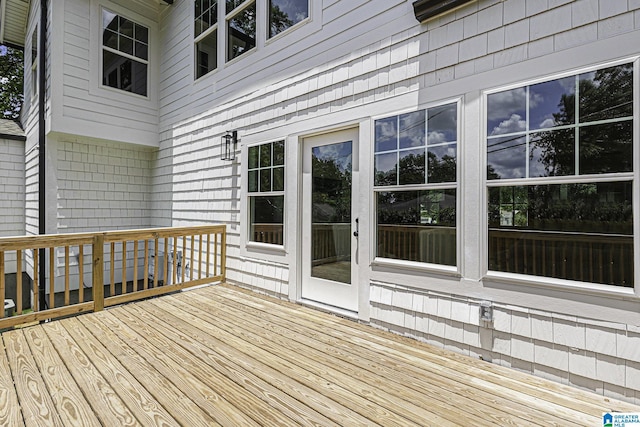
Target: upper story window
x=560 y=173
x=125 y=53
x=34 y=62
x=284 y=14
x=415 y=185
x=241 y=27
x=266 y=192
x=206 y=36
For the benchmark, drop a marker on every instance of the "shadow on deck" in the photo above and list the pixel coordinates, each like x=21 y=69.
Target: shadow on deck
x=221 y=355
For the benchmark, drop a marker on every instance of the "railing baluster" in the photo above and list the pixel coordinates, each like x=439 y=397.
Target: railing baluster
x=215 y=253
x=66 y=276
x=165 y=264
x=80 y=273
x=112 y=275
x=52 y=280
x=135 y=266
x=18 y=281
x=124 y=267
x=223 y=255
x=36 y=283
x=208 y=253
x=145 y=283
x=174 y=269
x=98 y=272
x=199 y=256
x=155 y=263
x=184 y=256
x=2 y=285
x=192 y=257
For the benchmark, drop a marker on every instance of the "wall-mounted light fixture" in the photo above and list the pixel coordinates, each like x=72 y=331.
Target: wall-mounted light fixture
x=229 y=144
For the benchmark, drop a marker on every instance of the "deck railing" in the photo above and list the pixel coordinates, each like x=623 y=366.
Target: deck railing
x=90 y=271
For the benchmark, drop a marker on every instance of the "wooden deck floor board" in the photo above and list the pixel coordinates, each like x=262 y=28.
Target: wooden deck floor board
x=71 y=405
x=35 y=401
x=316 y=362
x=324 y=389
x=224 y=356
x=151 y=370
x=108 y=406
x=193 y=376
x=376 y=368
x=10 y=413
x=406 y=349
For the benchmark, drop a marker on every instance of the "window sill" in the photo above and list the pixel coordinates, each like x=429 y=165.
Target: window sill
x=584 y=288
x=416 y=266
x=265 y=248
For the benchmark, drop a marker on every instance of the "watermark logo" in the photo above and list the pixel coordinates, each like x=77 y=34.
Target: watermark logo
x=620 y=419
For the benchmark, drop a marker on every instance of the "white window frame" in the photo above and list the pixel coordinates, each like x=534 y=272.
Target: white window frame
x=204 y=35
x=232 y=14
x=405 y=265
x=514 y=279
x=291 y=28
x=34 y=62
x=124 y=55
x=247 y=200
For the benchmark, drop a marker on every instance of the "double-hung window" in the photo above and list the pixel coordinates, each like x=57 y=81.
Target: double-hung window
x=125 y=53
x=560 y=177
x=415 y=156
x=241 y=27
x=206 y=36
x=266 y=193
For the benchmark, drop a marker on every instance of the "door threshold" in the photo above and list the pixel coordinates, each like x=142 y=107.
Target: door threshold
x=331 y=309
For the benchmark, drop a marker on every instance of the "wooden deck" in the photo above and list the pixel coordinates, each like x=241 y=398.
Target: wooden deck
x=224 y=356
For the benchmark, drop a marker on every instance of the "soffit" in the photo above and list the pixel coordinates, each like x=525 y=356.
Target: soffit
x=13 y=21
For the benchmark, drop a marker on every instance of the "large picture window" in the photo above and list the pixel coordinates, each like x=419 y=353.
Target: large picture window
x=265 y=177
x=125 y=53
x=559 y=172
x=206 y=36
x=415 y=185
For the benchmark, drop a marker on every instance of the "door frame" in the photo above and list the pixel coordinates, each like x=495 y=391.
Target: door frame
x=359 y=210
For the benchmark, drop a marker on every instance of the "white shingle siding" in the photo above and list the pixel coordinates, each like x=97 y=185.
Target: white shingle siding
x=12 y=194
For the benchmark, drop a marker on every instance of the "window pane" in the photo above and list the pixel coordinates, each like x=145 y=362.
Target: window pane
x=109 y=20
x=265 y=180
x=442 y=124
x=552 y=153
x=386 y=169
x=232 y=4
x=253 y=181
x=606 y=93
x=253 y=156
x=126 y=45
x=552 y=103
x=412 y=129
x=122 y=73
x=126 y=27
x=506 y=112
x=417 y=225
x=578 y=232
x=266 y=219
x=241 y=32
x=606 y=148
x=142 y=34
x=286 y=13
x=386 y=137
x=142 y=51
x=412 y=167
x=278 y=179
x=207 y=56
x=110 y=39
x=278 y=153
x=506 y=157
x=265 y=155
x=441 y=165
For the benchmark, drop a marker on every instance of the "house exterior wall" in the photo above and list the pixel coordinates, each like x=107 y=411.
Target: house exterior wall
x=12 y=193
x=82 y=105
x=372 y=59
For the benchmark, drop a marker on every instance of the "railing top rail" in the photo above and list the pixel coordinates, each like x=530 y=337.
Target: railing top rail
x=74 y=239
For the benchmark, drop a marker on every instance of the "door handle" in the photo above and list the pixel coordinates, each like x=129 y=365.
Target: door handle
x=355 y=233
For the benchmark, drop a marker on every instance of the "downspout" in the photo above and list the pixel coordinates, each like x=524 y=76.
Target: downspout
x=42 y=205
